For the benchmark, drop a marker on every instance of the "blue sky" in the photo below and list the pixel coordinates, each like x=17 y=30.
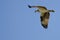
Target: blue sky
x=18 y=22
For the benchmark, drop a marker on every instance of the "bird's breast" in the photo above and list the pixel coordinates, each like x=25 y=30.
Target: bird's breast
x=42 y=10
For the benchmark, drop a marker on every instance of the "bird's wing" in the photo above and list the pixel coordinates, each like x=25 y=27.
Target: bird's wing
x=45 y=19
x=37 y=7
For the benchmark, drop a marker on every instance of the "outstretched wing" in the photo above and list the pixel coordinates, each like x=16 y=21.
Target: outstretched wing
x=45 y=19
x=37 y=7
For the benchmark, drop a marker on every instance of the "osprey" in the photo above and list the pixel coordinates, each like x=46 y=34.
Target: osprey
x=44 y=14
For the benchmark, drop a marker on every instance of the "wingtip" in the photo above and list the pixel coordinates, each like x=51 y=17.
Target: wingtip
x=29 y=6
x=53 y=11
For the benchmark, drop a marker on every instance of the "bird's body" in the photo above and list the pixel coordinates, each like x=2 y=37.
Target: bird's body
x=44 y=14
x=45 y=19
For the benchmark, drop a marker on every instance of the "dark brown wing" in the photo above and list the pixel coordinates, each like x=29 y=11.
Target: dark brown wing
x=37 y=7
x=45 y=19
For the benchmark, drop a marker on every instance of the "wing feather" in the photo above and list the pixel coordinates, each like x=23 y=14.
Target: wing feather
x=37 y=7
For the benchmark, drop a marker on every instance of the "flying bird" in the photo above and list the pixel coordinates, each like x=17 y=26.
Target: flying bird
x=45 y=13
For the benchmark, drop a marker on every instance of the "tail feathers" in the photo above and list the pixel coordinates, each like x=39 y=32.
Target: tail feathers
x=29 y=6
x=45 y=26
